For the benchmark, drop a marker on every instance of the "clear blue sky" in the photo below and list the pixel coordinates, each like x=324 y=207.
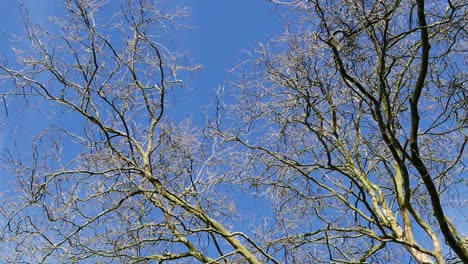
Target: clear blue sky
x=222 y=29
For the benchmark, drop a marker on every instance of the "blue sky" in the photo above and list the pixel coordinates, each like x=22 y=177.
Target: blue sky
x=221 y=32
x=222 y=29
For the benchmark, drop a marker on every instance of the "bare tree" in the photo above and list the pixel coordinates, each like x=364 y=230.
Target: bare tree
x=128 y=186
x=349 y=131
x=353 y=124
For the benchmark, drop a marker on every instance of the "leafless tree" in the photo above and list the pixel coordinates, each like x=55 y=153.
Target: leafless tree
x=128 y=186
x=348 y=132
x=353 y=124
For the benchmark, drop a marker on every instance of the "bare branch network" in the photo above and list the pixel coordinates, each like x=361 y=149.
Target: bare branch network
x=345 y=142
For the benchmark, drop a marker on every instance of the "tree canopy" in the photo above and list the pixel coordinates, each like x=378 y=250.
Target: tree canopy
x=341 y=140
